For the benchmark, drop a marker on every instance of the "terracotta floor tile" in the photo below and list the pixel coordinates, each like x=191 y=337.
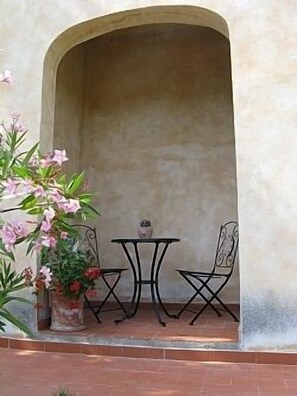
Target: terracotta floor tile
x=288 y=372
x=291 y=383
x=23 y=373
x=244 y=391
x=209 y=328
x=277 y=392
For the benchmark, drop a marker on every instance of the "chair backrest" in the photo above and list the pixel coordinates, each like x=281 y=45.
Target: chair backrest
x=89 y=237
x=226 y=248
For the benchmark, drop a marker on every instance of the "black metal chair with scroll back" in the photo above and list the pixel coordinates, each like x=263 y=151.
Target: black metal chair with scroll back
x=110 y=276
x=208 y=285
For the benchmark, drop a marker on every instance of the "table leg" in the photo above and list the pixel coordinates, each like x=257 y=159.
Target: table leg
x=158 y=266
x=134 y=304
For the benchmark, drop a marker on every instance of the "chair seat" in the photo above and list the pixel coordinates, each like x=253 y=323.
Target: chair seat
x=110 y=271
x=199 y=274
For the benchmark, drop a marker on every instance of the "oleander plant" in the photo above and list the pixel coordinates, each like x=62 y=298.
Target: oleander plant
x=49 y=200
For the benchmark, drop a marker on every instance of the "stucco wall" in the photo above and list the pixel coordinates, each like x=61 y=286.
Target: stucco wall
x=263 y=54
x=158 y=143
x=69 y=106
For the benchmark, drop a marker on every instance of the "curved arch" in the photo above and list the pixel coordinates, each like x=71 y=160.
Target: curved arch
x=190 y=15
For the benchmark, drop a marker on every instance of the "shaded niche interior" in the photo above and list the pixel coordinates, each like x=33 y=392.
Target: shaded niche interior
x=148 y=113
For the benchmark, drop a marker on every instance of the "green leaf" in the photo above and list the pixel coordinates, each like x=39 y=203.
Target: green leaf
x=85 y=198
x=75 y=182
x=30 y=153
x=35 y=211
x=29 y=202
x=91 y=209
x=5 y=252
x=62 y=180
x=30 y=247
x=20 y=299
x=4 y=313
x=20 y=171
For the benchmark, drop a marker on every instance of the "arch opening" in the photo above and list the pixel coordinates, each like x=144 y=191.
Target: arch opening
x=147 y=111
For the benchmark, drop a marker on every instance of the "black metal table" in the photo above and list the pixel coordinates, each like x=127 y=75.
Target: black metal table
x=135 y=263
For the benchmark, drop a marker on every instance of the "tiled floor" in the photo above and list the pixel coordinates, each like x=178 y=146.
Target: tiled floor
x=30 y=373
x=209 y=328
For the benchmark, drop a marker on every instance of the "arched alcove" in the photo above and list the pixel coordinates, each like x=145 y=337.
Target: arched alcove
x=92 y=28
x=143 y=102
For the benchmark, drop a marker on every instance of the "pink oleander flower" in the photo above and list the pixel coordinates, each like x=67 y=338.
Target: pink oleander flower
x=46 y=225
x=15 y=116
x=49 y=213
x=8 y=236
x=10 y=186
x=45 y=276
x=39 y=192
x=69 y=206
x=59 y=157
x=11 y=232
x=20 y=229
x=18 y=127
x=64 y=235
x=48 y=241
x=38 y=246
x=46 y=161
x=6 y=77
x=27 y=185
x=55 y=196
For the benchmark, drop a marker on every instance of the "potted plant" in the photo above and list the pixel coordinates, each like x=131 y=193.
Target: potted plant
x=69 y=270
x=35 y=184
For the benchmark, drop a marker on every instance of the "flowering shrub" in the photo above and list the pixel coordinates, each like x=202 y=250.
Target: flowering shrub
x=40 y=189
x=69 y=268
x=38 y=182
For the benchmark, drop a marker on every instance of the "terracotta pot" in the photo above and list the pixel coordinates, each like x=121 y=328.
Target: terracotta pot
x=67 y=314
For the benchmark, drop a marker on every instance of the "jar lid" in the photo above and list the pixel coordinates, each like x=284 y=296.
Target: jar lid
x=145 y=223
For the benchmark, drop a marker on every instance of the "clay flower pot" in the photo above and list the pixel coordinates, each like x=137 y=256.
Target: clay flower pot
x=67 y=314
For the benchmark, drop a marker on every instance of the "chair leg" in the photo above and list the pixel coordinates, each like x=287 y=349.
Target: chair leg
x=198 y=314
x=227 y=309
x=92 y=309
x=214 y=296
x=184 y=308
x=198 y=292
x=111 y=293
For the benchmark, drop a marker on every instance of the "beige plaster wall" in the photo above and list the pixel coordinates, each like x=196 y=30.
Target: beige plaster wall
x=263 y=53
x=69 y=106
x=158 y=143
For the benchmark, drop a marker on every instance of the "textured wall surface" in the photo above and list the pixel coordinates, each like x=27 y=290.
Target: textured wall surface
x=263 y=60
x=69 y=106
x=158 y=142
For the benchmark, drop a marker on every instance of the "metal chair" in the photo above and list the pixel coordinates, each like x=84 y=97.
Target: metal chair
x=221 y=273
x=110 y=276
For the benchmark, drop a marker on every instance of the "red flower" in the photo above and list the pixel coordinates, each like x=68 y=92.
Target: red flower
x=75 y=286
x=92 y=273
x=91 y=293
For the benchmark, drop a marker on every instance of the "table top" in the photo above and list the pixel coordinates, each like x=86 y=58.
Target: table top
x=144 y=240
